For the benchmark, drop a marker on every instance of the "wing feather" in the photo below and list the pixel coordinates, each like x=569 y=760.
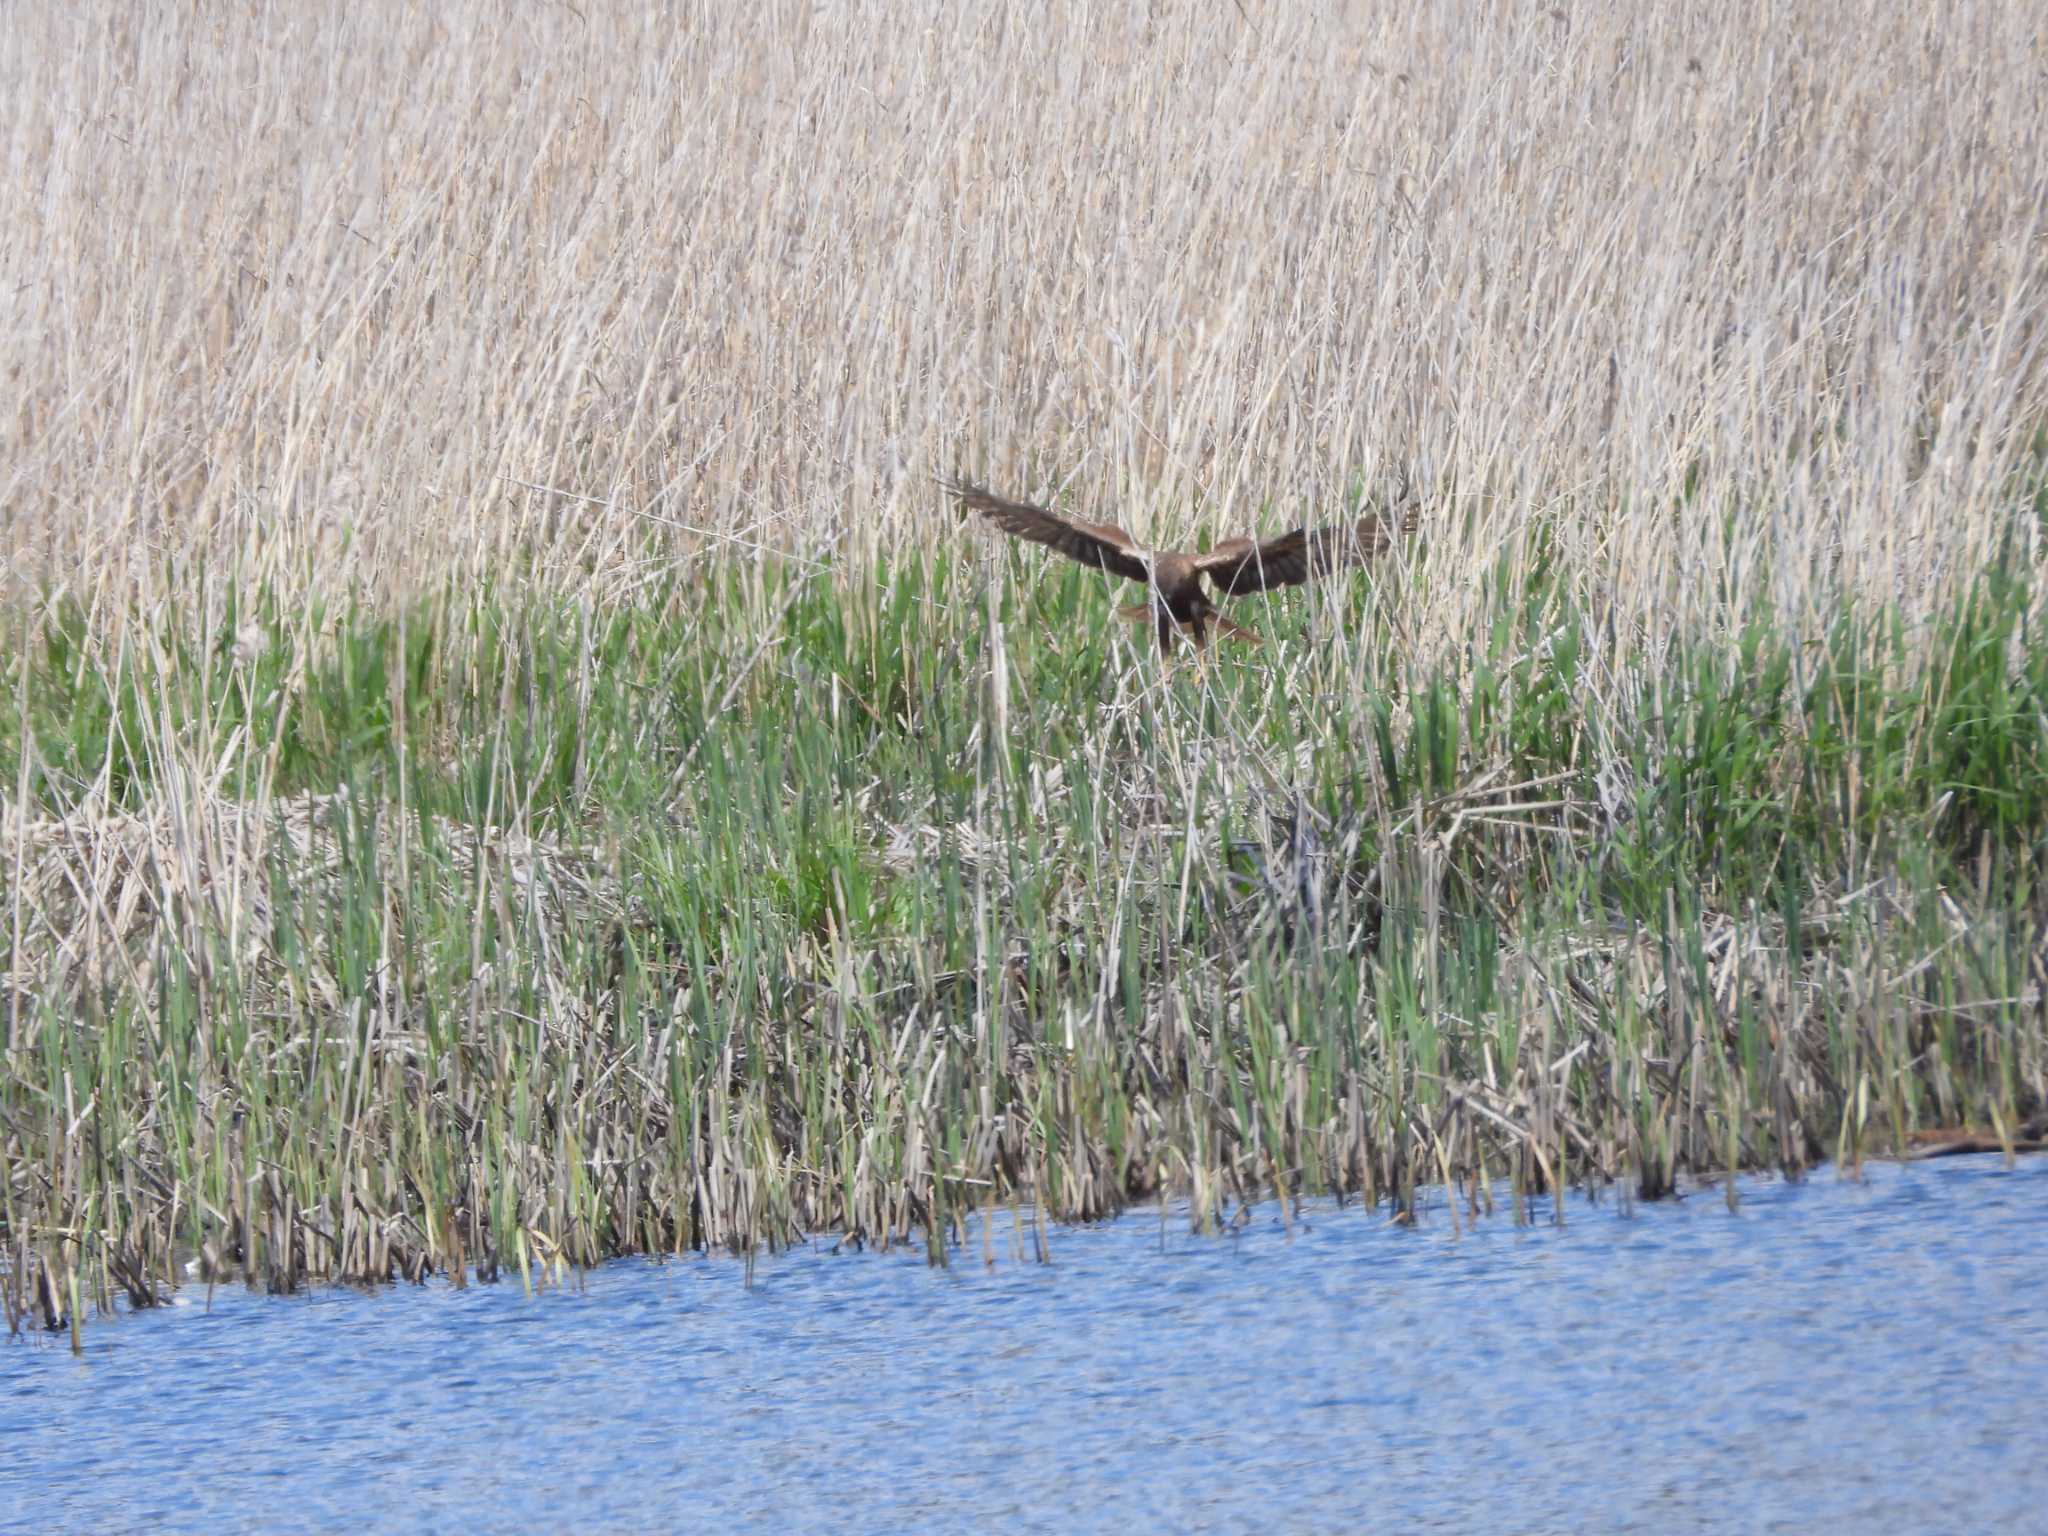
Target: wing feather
x=1239 y=567
x=1101 y=545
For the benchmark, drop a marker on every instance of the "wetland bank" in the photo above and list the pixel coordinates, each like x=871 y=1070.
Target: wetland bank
x=1729 y=1372
x=509 y=761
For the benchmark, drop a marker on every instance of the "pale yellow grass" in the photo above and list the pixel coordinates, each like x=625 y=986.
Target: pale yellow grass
x=1744 y=299
x=1726 y=307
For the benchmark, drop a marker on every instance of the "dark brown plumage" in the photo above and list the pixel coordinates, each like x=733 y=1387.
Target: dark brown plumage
x=1235 y=568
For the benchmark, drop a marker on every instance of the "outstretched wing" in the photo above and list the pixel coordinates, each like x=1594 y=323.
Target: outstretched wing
x=1239 y=567
x=1100 y=545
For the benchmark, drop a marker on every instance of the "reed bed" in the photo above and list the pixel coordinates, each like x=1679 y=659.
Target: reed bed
x=510 y=761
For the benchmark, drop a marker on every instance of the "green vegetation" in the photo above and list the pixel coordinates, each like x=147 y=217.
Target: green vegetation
x=501 y=931
x=507 y=757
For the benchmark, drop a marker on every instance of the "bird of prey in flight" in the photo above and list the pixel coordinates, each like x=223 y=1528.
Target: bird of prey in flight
x=1235 y=568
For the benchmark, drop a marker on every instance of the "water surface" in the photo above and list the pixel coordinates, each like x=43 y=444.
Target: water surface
x=1834 y=1351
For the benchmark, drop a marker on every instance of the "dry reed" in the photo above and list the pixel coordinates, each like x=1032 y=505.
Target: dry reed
x=435 y=346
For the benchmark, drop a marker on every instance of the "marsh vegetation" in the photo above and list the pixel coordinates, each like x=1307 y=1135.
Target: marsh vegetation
x=510 y=760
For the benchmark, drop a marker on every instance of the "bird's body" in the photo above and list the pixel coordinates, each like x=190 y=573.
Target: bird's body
x=1179 y=605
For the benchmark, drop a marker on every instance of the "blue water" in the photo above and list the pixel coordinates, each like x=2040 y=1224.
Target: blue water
x=1835 y=1351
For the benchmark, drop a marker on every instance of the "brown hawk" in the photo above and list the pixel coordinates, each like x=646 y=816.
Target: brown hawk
x=1235 y=568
